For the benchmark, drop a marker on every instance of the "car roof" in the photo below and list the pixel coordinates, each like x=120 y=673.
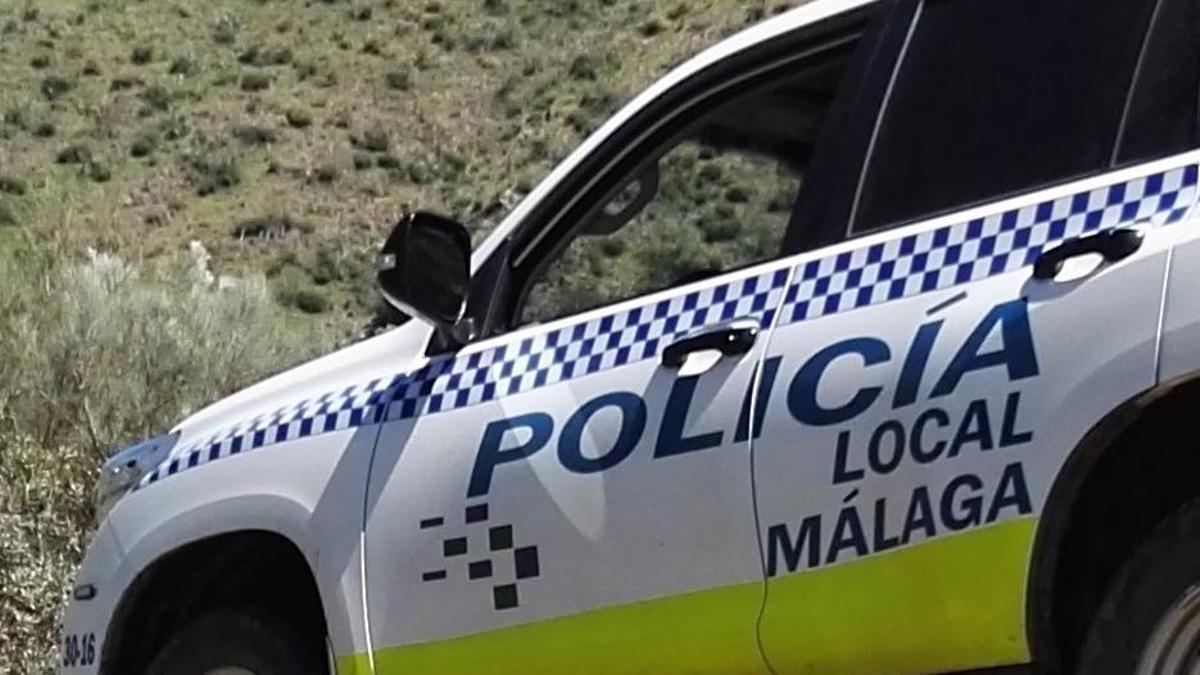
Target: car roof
x=804 y=15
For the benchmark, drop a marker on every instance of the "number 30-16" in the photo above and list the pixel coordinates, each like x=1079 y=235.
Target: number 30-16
x=79 y=650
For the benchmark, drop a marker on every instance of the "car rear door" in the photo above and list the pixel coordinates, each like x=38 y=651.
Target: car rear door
x=933 y=372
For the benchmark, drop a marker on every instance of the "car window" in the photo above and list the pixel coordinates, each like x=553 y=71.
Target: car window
x=994 y=98
x=1163 y=111
x=715 y=198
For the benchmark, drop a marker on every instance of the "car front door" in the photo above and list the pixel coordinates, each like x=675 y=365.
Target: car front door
x=932 y=374
x=573 y=493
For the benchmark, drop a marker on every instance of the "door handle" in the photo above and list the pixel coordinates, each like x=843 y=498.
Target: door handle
x=1112 y=245
x=731 y=339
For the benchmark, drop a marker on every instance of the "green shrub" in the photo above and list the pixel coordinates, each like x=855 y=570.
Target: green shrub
x=144 y=145
x=12 y=185
x=325 y=174
x=372 y=140
x=583 y=67
x=270 y=227
x=183 y=65
x=211 y=173
x=44 y=129
x=157 y=97
x=16 y=117
x=55 y=87
x=308 y=300
x=98 y=171
x=118 y=354
x=251 y=134
x=74 y=154
x=400 y=80
x=7 y=217
x=259 y=56
x=141 y=55
x=652 y=27
x=255 y=82
x=123 y=82
x=298 y=118
x=389 y=162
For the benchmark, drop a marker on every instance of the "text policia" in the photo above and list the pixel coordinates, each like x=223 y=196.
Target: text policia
x=927 y=437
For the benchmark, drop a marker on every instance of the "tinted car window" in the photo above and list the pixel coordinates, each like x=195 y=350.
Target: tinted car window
x=1163 y=111
x=716 y=198
x=995 y=97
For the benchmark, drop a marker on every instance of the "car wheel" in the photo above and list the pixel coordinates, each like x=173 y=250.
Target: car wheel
x=240 y=642
x=1149 y=621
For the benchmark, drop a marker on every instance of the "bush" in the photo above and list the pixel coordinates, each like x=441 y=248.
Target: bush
x=306 y=299
x=183 y=65
x=144 y=145
x=44 y=130
x=399 y=80
x=250 y=134
x=389 y=162
x=270 y=227
x=298 y=118
x=7 y=217
x=98 y=171
x=325 y=174
x=55 y=87
x=212 y=174
x=12 y=185
x=141 y=55
x=158 y=98
x=257 y=56
x=372 y=140
x=255 y=82
x=74 y=154
x=118 y=354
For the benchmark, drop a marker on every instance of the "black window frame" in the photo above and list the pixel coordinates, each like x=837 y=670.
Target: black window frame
x=502 y=281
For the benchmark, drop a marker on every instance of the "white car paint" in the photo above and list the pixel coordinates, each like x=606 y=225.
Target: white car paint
x=311 y=488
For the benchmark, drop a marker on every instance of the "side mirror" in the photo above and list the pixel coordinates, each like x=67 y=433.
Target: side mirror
x=424 y=270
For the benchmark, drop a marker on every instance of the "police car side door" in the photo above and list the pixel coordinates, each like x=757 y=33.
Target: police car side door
x=575 y=495
x=927 y=380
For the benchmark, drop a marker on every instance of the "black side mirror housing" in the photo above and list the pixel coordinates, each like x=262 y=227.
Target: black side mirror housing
x=424 y=270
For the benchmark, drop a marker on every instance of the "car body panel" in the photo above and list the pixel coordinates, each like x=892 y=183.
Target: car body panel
x=983 y=382
x=618 y=510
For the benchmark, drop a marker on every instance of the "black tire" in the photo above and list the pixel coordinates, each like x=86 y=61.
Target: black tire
x=245 y=638
x=1160 y=572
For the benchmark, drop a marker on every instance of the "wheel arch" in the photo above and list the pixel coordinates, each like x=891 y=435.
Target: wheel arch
x=1109 y=494
x=247 y=566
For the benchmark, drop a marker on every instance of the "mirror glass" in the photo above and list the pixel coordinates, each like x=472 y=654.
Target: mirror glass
x=425 y=268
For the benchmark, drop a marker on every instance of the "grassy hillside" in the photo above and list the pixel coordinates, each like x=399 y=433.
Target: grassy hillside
x=287 y=135
x=283 y=136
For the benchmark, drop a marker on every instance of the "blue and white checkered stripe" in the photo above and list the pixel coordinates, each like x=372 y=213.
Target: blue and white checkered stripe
x=903 y=267
x=334 y=411
x=593 y=346
x=969 y=251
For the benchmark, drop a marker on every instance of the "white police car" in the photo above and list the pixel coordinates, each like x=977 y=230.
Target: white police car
x=931 y=410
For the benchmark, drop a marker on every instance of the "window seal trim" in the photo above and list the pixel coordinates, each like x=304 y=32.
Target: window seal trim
x=914 y=20
x=1132 y=89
